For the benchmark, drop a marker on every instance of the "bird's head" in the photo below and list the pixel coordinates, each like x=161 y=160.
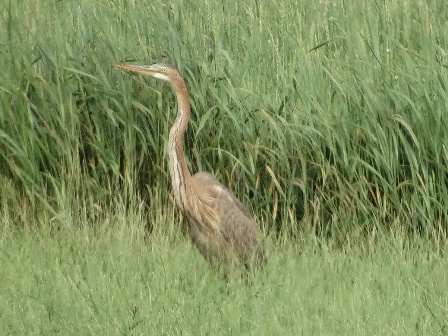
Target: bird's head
x=165 y=72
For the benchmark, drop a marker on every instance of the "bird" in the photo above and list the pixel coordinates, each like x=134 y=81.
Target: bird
x=219 y=225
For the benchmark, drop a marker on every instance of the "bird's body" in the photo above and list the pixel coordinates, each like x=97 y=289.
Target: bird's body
x=220 y=226
x=218 y=223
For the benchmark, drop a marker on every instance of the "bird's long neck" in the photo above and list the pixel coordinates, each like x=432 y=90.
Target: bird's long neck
x=180 y=175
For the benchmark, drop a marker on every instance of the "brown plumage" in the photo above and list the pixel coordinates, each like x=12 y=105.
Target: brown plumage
x=219 y=225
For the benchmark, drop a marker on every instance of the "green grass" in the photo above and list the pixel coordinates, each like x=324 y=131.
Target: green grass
x=327 y=119
x=117 y=283
x=340 y=108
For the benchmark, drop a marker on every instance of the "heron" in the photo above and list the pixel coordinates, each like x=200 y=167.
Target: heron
x=219 y=225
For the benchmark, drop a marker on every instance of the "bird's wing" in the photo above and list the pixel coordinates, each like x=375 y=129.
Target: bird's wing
x=234 y=223
x=206 y=181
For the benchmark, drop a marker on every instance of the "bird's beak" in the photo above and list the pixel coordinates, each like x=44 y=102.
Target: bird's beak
x=142 y=69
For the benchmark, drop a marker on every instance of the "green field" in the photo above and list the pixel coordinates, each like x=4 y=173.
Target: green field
x=327 y=119
x=116 y=283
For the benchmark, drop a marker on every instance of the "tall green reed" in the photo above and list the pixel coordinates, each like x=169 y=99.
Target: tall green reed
x=327 y=115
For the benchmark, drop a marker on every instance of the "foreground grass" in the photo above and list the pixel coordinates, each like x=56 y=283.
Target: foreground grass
x=117 y=283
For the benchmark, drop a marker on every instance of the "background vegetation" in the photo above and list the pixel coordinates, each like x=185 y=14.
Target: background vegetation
x=328 y=119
